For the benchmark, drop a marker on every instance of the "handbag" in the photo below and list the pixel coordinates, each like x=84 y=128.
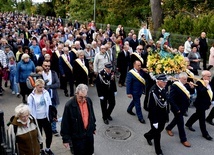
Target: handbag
x=52 y=113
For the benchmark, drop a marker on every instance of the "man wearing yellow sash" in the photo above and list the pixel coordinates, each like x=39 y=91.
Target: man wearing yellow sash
x=80 y=69
x=66 y=61
x=202 y=103
x=179 y=99
x=135 y=86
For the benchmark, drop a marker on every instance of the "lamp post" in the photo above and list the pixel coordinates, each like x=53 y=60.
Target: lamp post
x=94 y=10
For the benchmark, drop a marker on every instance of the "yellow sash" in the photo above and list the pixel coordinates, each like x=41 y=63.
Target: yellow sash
x=138 y=76
x=139 y=57
x=182 y=87
x=67 y=63
x=74 y=50
x=190 y=73
x=82 y=65
x=57 y=53
x=209 y=91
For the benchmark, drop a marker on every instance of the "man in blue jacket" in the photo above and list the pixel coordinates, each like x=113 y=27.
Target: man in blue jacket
x=135 y=86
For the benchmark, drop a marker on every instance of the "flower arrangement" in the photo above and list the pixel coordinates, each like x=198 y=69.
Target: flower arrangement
x=166 y=65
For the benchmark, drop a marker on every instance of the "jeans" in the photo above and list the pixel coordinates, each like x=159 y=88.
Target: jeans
x=13 y=83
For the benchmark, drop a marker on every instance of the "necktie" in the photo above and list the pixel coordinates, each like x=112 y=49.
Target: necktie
x=68 y=58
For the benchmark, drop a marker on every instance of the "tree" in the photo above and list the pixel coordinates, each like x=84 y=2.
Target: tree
x=156 y=10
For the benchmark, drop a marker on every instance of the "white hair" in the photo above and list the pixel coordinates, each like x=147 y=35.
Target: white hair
x=183 y=74
x=22 y=109
x=81 y=88
x=25 y=55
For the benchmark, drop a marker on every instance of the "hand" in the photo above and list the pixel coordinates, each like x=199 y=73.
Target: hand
x=191 y=84
x=115 y=93
x=145 y=70
x=129 y=95
x=66 y=145
x=178 y=111
x=101 y=97
x=155 y=125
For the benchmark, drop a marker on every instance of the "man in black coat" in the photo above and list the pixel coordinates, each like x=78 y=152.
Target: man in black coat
x=202 y=103
x=203 y=49
x=123 y=61
x=134 y=42
x=77 y=128
x=80 y=69
x=179 y=99
x=158 y=112
x=106 y=89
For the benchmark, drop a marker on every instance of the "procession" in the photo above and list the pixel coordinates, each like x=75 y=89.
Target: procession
x=73 y=82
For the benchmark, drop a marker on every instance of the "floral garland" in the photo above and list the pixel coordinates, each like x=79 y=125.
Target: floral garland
x=171 y=66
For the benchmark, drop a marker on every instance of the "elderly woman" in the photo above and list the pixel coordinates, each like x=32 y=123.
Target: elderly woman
x=39 y=101
x=24 y=68
x=24 y=134
x=194 y=58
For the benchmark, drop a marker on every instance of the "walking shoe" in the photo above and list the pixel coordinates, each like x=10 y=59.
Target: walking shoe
x=55 y=133
x=106 y=121
x=207 y=137
x=148 y=140
x=169 y=132
x=110 y=118
x=186 y=143
x=13 y=92
x=130 y=112
x=18 y=95
x=190 y=128
x=49 y=152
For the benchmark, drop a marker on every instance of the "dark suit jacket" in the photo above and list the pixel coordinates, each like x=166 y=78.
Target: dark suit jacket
x=63 y=67
x=123 y=61
x=178 y=99
x=80 y=75
x=133 y=85
x=89 y=37
x=133 y=44
x=202 y=100
x=156 y=113
x=104 y=89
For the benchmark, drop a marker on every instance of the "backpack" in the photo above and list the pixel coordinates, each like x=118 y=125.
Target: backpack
x=30 y=81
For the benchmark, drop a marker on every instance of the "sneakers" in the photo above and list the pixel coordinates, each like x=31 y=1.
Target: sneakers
x=55 y=133
x=13 y=92
x=18 y=95
x=49 y=152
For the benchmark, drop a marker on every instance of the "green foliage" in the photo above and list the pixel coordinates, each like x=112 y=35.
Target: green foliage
x=7 y=5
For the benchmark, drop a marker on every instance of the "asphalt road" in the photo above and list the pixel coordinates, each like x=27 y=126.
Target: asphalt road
x=136 y=143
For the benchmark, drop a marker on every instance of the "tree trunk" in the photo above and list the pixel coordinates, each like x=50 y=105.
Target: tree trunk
x=156 y=13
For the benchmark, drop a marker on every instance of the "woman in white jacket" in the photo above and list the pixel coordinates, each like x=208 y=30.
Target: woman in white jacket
x=39 y=101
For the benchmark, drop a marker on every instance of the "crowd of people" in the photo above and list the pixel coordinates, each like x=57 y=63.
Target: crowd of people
x=56 y=54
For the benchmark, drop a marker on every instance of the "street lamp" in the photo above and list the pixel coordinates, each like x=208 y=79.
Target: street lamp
x=94 y=10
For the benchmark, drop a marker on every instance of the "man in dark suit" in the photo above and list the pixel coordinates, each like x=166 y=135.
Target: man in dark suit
x=203 y=49
x=202 y=103
x=134 y=42
x=106 y=89
x=158 y=112
x=135 y=86
x=123 y=61
x=25 y=41
x=80 y=69
x=66 y=67
x=179 y=99
x=89 y=33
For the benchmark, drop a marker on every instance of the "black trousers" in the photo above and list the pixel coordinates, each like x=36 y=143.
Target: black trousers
x=107 y=106
x=179 y=121
x=211 y=115
x=46 y=125
x=156 y=135
x=24 y=90
x=123 y=74
x=68 y=79
x=198 y=115
x=83 y=146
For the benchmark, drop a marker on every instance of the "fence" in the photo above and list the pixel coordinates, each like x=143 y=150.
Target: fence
x=4 y=149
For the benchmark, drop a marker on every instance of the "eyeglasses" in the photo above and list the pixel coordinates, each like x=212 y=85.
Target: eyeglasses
x=82 y=97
